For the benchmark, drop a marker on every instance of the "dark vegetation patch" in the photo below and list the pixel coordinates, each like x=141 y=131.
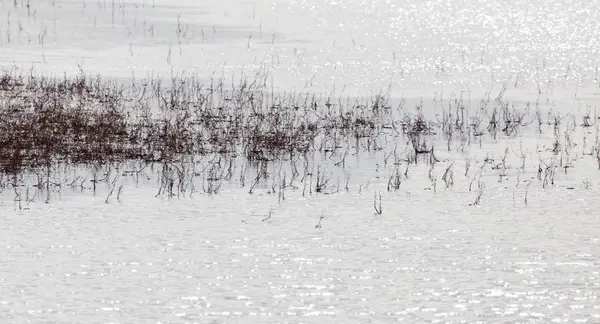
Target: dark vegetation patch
x=197 y=134
x=82 y=120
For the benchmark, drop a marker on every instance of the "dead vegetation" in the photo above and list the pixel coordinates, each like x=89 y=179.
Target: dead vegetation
x=196 y=135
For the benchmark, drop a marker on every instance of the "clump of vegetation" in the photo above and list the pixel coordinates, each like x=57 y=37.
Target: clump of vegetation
x=196 y=135
x=84 y=120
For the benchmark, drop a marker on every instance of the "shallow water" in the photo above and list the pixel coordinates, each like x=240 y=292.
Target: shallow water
x=428 y=258
x=525 y=253
x=354 y=47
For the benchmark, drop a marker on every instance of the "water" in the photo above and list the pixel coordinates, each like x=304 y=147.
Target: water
x=428 y=259
x=525 y=253
x=354 y=47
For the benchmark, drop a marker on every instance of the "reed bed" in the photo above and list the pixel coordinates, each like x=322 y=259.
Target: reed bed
x=196 y=134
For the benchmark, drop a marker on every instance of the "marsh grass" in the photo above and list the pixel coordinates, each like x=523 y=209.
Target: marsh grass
x=86 y=121
x=196 y=134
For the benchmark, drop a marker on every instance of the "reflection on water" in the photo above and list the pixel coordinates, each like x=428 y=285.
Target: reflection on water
x=525 y=254
x=195 y=261
x=350 y=47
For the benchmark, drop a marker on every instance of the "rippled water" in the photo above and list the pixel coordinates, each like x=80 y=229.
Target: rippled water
x=346 y=47
x=430 y=257
x=213 y=260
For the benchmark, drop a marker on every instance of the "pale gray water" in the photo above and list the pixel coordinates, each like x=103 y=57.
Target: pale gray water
x=350 y=47
x=429 y=258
